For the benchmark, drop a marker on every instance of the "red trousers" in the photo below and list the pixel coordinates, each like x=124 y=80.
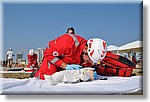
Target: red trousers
x=46 y=68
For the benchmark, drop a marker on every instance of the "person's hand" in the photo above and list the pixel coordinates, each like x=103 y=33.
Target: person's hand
x=73 y=67
x=31 y=67
x=95 y=75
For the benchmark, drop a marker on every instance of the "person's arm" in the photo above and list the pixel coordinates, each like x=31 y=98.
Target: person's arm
x=63 y=65
x=35 y=59
x=56 y=50
x=58 y=62
x=54 y=59
x=60 y=48
x=13 y=55
x=29 y=59
x=7 y=55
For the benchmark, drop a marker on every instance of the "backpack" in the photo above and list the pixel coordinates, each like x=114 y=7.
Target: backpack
x=115 y=65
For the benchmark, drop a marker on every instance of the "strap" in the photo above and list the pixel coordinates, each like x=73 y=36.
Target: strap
x=117 y=71
x=54 y=60
x=75 y=39
x=48 y=64
x=122 y=60
x=125 y=72
x=104 y=62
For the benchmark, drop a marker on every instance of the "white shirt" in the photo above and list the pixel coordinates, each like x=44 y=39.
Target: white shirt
x=10 y=54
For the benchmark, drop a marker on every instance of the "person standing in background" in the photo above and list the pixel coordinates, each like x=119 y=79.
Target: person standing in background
x=32 y=59
x=134 y=58
x=9 y=57
x=130 y=55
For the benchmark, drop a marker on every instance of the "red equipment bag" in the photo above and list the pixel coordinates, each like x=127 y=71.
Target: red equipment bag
x=115 y=65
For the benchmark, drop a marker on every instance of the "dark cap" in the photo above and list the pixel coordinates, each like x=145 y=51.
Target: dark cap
x=71 y=28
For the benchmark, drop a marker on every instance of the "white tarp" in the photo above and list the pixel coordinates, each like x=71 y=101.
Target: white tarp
x=112 y=48
x=132 y=45
x=114 y=85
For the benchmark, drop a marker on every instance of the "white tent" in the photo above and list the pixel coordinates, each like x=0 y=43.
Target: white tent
x=133 y=46
x=112 y=48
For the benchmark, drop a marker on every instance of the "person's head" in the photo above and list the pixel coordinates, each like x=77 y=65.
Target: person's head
x=10 y=49
x=70 y=30
x=95 y=50
x=31 y=52
x=87 y=72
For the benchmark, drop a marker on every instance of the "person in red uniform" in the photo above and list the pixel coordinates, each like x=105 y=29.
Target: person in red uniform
x=66 y=52
x=134 y=58
x=32 y=60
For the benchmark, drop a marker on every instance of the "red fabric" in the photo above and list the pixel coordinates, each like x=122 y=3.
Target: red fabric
x=88 y=64
x=65 y=50
x=134 y=60
x=46 y=68
x=32 y=60
x=111 y=65
x=112 y=71
x=29 y=70
x=112 y=58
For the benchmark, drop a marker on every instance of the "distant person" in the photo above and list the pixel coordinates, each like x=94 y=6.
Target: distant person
x=130 y=55
x=134 y=58
x=32 y=59
x=9 y=57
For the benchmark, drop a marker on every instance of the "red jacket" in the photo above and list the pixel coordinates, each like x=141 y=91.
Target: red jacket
x=32 y=60
x=66 y=48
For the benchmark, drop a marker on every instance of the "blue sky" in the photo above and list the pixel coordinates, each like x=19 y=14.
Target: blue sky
x=34 y=25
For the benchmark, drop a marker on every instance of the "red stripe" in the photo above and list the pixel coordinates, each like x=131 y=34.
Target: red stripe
x=102 y=55
x=103 y=51
x=104 y=44
x=91 y=54
x=90 y=45
x=91 y=40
